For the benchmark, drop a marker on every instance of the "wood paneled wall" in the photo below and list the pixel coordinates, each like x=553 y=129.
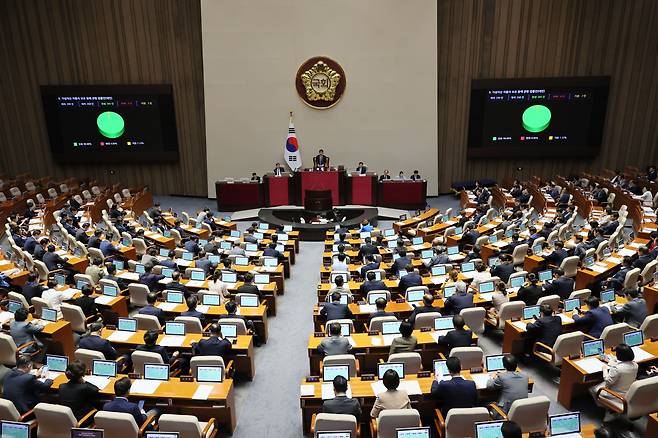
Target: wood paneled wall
x=537 y=38
x=58 y=42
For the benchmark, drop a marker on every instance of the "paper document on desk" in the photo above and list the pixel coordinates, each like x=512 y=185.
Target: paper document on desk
x=120 y=336
x=367 y=308
x=167 y=307
x=351 y=341
x=142 y=386
x=500 y=243
x=626 y=252
x=435 y=334
x=519 y=325
x=565 y=319
x=103 y=299
x=612 y=259
x=195 y=283
x=439 y=280
x=203 y=308
x=202 y=392
x=328 y=391
x=166 y=280
x=388 y=339
x=61 y=253
x=4 y=262
x=307 y=390
x=132 y=276
x=99 y=381
x=480 y=380
x=68 y=293
x=411 y=386
x=641 y=354
x=375 y=341
x=590 y=365
x=635 y=244
x=5 y=317
x=598 y=268
x=486 y=296
x=172 y=341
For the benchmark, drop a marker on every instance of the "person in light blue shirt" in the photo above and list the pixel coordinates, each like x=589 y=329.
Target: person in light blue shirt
x=365 y=226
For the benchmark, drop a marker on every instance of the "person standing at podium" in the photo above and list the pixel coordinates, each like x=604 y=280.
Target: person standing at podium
x=321 y=161
x=361 y=169
x=278 y=169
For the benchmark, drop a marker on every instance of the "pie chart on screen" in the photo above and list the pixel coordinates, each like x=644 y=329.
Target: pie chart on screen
x=536 y=118
x=110 y=124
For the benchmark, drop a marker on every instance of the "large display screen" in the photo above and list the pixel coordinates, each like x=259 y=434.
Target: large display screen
x=111 y=123
x=526 y=118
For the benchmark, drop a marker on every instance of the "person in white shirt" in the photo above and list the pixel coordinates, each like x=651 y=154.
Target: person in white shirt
x=217 y=286
x=646 y=198
x=480 y=275
x=201 y=216
x=401 y=176
x=52 y=296
x=340 y=263
x=618 y=375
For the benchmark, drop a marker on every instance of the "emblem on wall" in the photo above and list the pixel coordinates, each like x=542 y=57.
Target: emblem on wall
x=320 y=82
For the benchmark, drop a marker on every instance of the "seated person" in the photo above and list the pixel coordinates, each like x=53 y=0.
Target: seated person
x=23 y=388
x=177 y=285
x=150 y=257
x=428 y=306
x=380 y=304
x=368 y=249
x=335 y=343
x=439 y=257
x=596 y=318
x=406 y=342
x=559 y=253
x=150 y=279
x=499 y=298
x=53 y=296
x=150 y=345
x=504 y=269
x=215 y=345
x=371 y=284
x=340 y=287
x=111 y=275
x=510 y=429
x=561 y=285
x=460 y=300
x=339 y=263
x=86 y=302
x=530 y=292
x=150 y=308
x=459 y=336
x=191 y=311
x=94 y=341
x=121 y=403
x=392 y=398
x=77 y=394
x=456 y=392
x=512 y=384
x=411 y=279
x=217 y=286
x=401 y=263
x=32 y=288
x=341 y=403
x=23 y=331
x=546 y=328
x=335 y=310
x=618 y=375
x=271 y=251
x=634 y=310
x=248 y=286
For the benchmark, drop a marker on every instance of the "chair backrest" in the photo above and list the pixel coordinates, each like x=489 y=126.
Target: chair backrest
x=631 y=279
x=40 y=198
x=3 y=197
x=514 y=275
x=197 y=361
x=600 y=249
x=84 y=277
x=52 y=192
x=147 y=322
x=343 y=359
x=96 y=253
x=138 y=293
x=63 y=188
x=241 y=326
x=510 y=310
x=460 y=422
x=581 y=294
x=39 y=304
x=649 y=326
x=425 y=289
x=551 y=300
x=117 y=424
x=641 y=397
x=192 y=324
x=340 y=321
x=15 y=296
x=567 y=344
x=176 y=235
x=426 y=319
x=474 y=318
x=388 y=294
x=470 y=357
x=42 y=270
x=376 y=322
x=570 y=266
x=87 y=357
x=55 y=421
x=613 y=335
x=519 y=253
x=139 y=358
x=7 y=350
x=140 y=246
x=412 y=361
x=335 y=423
x=75 y=316
x=390 y=420
x=187 y=426
x=117 y=198
x=648 y=272
x=8 y=411
x=530 y=413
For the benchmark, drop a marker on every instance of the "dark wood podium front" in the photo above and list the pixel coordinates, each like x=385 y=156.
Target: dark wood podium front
x=317 y=200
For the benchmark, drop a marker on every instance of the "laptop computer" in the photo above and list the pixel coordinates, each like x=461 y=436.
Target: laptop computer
x=161 y=435
x=391 y=327
x=592 y=348
x=104 y=368
x=530 y=311
x=468 y=267
x=374 y=296
x=486 y=287
x=174 y=328
x=494 y=362
x=545 y=275
x=14 y=429
x=452 y=250
x=438 y=271
x=517 y=282
x=564 y=424
x=412 y=432
x=229 y=330
x=489 y=429
x=168 y=272
x=197 y=276
x=175 y=297
x=188 y=256
x=49 y=315
x=110 y=290
x=156 y=371
x=249 y=301
x=209 y=373
x=57 y=363
x=262 y=278
x=329 y=372
x=443 y=323
x=127 y=324
x=13 y=306
x=449 y=291
x=398 y=367
x=334 y=434
x=571 y=303
x=634 y=338
x=607 y=296
x=210 y=300
x=415 y=295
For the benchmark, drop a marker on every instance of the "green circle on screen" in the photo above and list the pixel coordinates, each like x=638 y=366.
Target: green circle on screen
x=536 y=118
x=110 y=124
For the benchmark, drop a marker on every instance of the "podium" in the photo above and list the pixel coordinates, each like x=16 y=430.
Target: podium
x=362 y=188
x=233 y=196
x=278 y=190
x=407 y=194
x=333 y=180
x=317 y=200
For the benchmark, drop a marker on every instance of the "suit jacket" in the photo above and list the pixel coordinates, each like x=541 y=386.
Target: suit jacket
x=121 y=404
x=503 y=272
x=192 y=246
x=562 y=286
x=119 y=281
x=87 y=304
x=23 y=332
x=342 y=405
x=31 y=290
x=400 y=263
x=458 y=302
x=332 y=311
x=457 y=338
x=380 y=313
x=249 y=289
x=213 y=346
x=177 y=286
x=39 y=251
x=53 y=261
x=421 y=309
x=367 y=249
x=512 y=385
x=96 y=343
x=80 y=397
x=278 y=171
x=23 y=389
x=530 y=294
x=108 y=249
x=94 y=242
x=403 y=345
x=546 y=329
x=158 y=349
x=610 y=227
x=556 y=257
x=643 y=261
x=204 y=264
x=29 y=244
x=597 y=319
x=151 y=280
x=410 y=280
x=155 y=311
x=334 y=345
x=634 y=311
x=81 y=236
x=454 y=393
x=368 y=267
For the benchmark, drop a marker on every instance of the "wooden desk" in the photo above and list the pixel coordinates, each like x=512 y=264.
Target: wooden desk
x=574 y=380
x=242 y=351
x=402 y=227
x=650 y=294
x=586 y=277
x=60 y=333
x=652 y=426
x=175 y=397
x=18 y=278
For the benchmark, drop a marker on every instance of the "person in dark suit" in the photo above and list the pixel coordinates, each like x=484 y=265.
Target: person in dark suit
x=504 y=269
x=94 y=341
x=361 y=169
x=95 y=240
x=459 y=336
x=108 y=249
x=150 y=346
x=611 y=226
x=150 y=279
x=411 y=279
x=31 y=241
x=439 y=257
x=336 y=343
x=561 y=285
x=40 y=249
x=428 y=306
x=32 y=288
x=191 y=311
x=370 y=265
x=150 y=308
x=52 y=260
x=321 y=161
x=341 y=403
x=469 y=236
x=516 y=241
x=385 y=176
x=401 y=263
x=367 y=248
x=77 y=394
x=456 y=392
x=616 y=282
x=86 y=302
x=215 y=345
x=559 y=253
x=380 y=304
x=111 y=275
x=335 y=310
x=271 y=251
x=248 y=287
x=545 y=329
x=416 y=176
x=596 y=240
x=232 y=312
x=643 y=259
x=596 y=318
x=169 y=261
x=530 y=292
x=460 y=300
x=635 y=310
x=372 y=284
x=192 y=246
x=176 y=285
x=22 y=388
x=23 y=331
x=512 y=384
x=81 y=234
x=121 y=403
x=278 y=169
